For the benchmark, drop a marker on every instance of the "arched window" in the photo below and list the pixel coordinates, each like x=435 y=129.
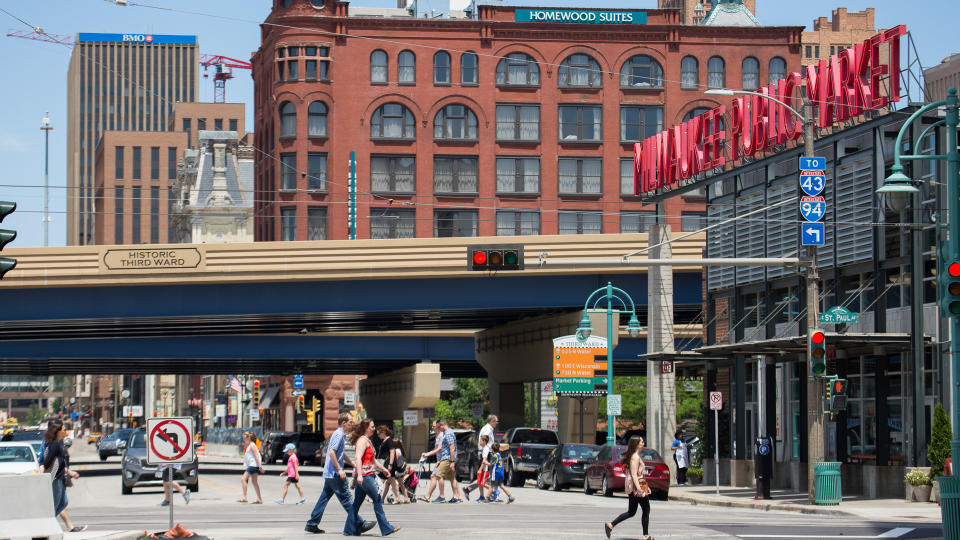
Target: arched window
x=455 y=122
x=697 y=112
x=716 y=73
x=641 y=71
x=407 y=68
x=468 y=68
x=288 y=119
x=581 y=71
x=518 y=69
x=778 y=69
x=378 y=67
x=392 y=121
x=284 y=3
x=317 y=119
x=750 y=74
x=689 y=72
x=441 y=68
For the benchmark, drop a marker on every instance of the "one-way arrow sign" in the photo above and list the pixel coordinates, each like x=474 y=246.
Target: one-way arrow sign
x=812 y=234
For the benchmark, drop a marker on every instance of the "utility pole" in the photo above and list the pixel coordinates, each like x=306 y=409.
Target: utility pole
x=814 y=386
x=46 y=127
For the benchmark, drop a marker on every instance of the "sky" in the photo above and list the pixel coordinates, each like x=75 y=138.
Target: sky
x=37 y=71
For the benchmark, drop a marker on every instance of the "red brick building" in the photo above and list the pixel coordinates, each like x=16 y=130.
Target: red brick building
x=503 y=123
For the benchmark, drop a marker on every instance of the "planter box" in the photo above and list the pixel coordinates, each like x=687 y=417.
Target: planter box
x=921 y=493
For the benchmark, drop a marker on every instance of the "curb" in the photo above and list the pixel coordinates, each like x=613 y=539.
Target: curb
x=759 y=505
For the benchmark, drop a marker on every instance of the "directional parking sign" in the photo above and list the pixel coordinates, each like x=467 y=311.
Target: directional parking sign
x=169 y=440
x=813 y=208
x=812 y=234
x=812 y=182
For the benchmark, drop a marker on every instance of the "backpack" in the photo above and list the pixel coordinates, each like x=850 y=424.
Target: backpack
x=399 y=463
x=497 y=475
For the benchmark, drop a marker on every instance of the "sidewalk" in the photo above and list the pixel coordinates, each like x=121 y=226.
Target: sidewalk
x=791 y=501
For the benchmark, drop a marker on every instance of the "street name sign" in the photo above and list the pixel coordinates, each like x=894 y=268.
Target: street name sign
x=812 y=234
x=813 y=208
x=839 y=315
x=614 y=405
x=716 y=401
x=580 y=367
x=169 y=440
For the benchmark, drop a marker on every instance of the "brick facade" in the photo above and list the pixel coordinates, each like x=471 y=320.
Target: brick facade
x=842 y=31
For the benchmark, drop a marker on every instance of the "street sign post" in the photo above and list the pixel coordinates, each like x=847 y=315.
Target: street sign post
x=839 y=315
x=716 y=403
x=614 y=405
x=812 y=234
x=349 y=398
x=298 y=392
x=580 y=367
x=169 y=441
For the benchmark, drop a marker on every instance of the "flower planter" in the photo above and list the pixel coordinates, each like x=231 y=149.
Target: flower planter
x=921 y=493
x=695 y=480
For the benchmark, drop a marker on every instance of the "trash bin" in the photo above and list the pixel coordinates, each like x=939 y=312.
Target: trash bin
x=763 y=466
x=826 y=479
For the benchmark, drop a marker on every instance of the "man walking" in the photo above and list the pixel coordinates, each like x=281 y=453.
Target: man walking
x=447 y=454
x=438 y=437
x=335 y=482
x=488 y=429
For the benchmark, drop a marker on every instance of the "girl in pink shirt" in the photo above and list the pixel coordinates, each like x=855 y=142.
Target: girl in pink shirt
x=292 y=473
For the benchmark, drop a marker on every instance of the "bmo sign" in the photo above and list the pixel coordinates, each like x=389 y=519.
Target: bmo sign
x=138 y=37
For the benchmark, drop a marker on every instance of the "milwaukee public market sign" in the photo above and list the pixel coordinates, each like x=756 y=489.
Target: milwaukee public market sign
x=842 y=87
x=580 y=16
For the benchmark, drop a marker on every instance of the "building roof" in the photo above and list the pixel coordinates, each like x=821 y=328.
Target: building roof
x=730 y=13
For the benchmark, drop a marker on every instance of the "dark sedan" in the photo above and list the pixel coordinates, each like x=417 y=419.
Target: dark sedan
x=606 y=474
x=113 y=444
x=564 y=466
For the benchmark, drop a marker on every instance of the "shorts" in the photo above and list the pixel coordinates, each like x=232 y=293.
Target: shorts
x=445 y=470
x=495 y=484
x=482 y=477
x=252 y=470
x=292 y=480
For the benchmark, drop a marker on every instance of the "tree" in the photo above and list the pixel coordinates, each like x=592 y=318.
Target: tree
x=35 y=415
x=456 y=410
x=939 y=448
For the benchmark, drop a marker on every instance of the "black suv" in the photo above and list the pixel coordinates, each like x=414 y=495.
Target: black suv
x=307 y=443
x=273 y=446
x=468 y=456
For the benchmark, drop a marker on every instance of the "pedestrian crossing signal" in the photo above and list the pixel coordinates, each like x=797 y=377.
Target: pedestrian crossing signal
x=836 y=395
x=495 y=257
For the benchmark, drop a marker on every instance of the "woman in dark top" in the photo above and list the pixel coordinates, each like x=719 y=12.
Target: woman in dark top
x=387 y=455
x=55 y=462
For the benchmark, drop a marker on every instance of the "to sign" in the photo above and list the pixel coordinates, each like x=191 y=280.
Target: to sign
x=813 y=163
x=169 y=440
x=614 y=405
x=410 y=417
x=813 y=208
x=349 y=398
x=812 y=234
x=716 y=401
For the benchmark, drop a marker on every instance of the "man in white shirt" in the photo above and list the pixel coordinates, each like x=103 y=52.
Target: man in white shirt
x=487 y=429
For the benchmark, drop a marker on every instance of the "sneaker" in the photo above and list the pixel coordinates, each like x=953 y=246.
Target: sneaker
x=313 y=529
x=455 y=500
x=607 y=528
x=278 y=501
x=164 y=503
x=395 y=529
x=510 y=499
x=466 y=493
x=186 y=496
x=481 y=500
x=367 y=525
x=79 y=528
x=301 y=501
x=439 y=500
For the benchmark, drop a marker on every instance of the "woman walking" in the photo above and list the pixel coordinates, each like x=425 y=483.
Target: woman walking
x=365 y=476
x=54 y=461
x=253 y=467
x=638 y=492
x=388 y=456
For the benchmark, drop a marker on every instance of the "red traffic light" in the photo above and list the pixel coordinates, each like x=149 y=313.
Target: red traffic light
x=493 y=257
x=479 y=257
x=954 y=269
x=256 y=384
x=816 y=337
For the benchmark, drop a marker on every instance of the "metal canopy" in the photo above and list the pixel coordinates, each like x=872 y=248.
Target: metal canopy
x=787 y=348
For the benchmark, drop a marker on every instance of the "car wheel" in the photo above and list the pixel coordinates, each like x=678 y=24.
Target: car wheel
x=125 y=489
x=586 y=486
x=605 y=488
x=513 y=477
x=103 y=457
x=540 y=483
x=663 y=495
x=194 y=487
x=556 y=482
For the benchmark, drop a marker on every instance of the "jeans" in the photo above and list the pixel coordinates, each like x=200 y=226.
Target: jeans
x=59 y=496
x=333 y=486
x=632 y=502
x=367 y=488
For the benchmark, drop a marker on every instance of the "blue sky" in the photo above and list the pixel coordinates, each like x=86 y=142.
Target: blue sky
x=37 y=71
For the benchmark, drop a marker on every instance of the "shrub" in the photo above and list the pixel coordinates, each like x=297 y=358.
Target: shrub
x=917 y=477
x=695 y=472
x=939 y=448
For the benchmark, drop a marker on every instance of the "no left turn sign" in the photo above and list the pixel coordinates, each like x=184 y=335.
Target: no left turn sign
x=716 y=401
x=169 y=440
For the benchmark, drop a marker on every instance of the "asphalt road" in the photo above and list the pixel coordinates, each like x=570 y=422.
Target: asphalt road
x=96 y=501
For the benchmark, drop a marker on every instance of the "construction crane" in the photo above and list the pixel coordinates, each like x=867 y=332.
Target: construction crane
x=223 y=65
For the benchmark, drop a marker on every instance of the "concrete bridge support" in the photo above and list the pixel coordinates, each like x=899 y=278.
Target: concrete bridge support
x=386 y=396
x=661 y=382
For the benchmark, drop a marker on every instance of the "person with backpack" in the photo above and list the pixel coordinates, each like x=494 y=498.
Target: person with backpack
x=496 y=475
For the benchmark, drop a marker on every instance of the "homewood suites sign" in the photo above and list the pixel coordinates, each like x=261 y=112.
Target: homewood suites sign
x=580 y=16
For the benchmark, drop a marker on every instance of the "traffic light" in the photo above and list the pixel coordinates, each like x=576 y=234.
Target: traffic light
x=949 y=279
x=300 y=403
x=256 y=395
x=495 y=257
x=6 y=236
x=818 y=352
x=837 y=395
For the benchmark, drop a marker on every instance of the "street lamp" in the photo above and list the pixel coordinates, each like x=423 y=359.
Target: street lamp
x=901 y=187
x=609 y=293
x=46 y=127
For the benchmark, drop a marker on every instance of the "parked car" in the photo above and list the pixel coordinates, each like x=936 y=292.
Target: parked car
x=114 y=444
x=134 y=470
x=33 y=437
x=18 y=458
x=564 y=466
x=527 y=448
x=272 y=447
x=606 y=474
x=468 y=457
x=308 y=444
x=320 y=456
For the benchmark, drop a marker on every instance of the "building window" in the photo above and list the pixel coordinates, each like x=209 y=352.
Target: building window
x=390 y=223
x=580 y=222
x=692 y=221
x=288 y=164
x=518 y=175
x=816 y=51
x=154 y=162
x=518 y=122
x=580 y=176
x=316 y=223
x=637 y=222
x=750 y=73
x=695 y=113
x=171 y=163
x=118 y=215
x=218 y=124
x=136 y=163
x=518 y=222
x=324 y=59
x=469 y=68
x=716 y=73
x=310 y=69
x=316 y=171
x=288 y=223
x=639 y=122
x=154 y=215
x=118 y=162
x=580 y=71
x=455 y=175
x=233 y=125
x=317 y=119
x=186 y=127
x=580 y=122
x=292 y=71
x=441 y=68
x=201 y=124
x=288 y=119
x=518 y=69
x=627 y=186
x=778 y=68
x=641 y=71
x=378 y=67
x=407 y=68
x=689 y=73
x=455 y=122
x=135 y=215
x=392 y=121
x=809 y=52
x=454 y=223
x=393 y=174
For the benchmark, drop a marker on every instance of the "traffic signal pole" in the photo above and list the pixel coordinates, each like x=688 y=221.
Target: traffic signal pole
x=950 y=488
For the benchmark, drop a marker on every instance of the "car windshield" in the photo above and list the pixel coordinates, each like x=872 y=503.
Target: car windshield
x=580 y=451
x=16 y=454
x=535 y=436
x=139 y=440
x=648 y=454
x=28 y=436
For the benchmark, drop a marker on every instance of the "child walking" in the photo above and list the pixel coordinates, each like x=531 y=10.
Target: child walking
x=496 y=475
x=482 y=473
x=292 y=473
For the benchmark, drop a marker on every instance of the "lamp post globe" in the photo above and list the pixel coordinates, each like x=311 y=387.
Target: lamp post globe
x=897 y=189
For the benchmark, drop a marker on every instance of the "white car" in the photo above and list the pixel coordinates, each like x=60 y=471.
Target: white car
x=18 y=458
